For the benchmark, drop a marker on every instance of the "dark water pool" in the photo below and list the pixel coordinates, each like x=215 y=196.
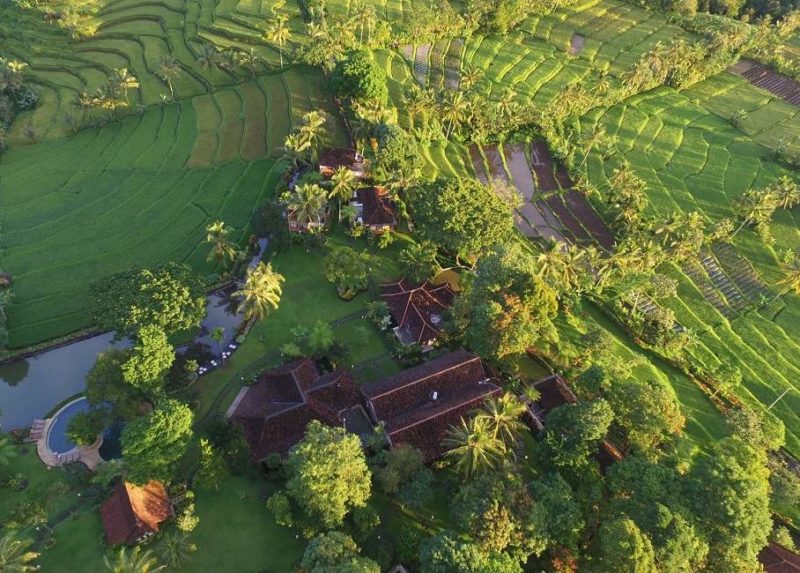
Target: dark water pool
x=57 y=439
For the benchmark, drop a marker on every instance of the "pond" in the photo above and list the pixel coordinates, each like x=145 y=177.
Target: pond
x=31 y=387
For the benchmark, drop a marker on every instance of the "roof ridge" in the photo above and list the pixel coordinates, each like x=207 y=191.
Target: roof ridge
x=471 y=358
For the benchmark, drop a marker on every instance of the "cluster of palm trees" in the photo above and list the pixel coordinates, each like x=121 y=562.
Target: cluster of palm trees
x=228 y=60
x=301 y=146
x=484 y=439
x=114 y=95
x=16 y=555
x=757 y=206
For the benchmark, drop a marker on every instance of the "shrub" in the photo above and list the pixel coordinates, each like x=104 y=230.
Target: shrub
x=358 y=77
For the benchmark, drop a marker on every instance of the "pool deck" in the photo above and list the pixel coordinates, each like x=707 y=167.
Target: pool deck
x=88 y=455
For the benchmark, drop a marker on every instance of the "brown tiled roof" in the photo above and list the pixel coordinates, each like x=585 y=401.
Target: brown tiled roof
x=404 y=402
x=275 y=410
x=417 y=310
x=133 y=512
x=338 y=157
x=553 y=392
x=377 y=209
x=777 y=559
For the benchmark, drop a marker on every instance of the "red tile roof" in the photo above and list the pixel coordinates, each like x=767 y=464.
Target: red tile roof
x=404 y=402
x=777 y=559
x=377 y=208
x=417 y=311
x=133 y=512
x=331 y=159
x=275 y=410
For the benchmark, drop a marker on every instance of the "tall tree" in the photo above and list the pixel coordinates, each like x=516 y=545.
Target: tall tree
x=420 y=261
x=176 y=550
x=278 y=32
x=624 y=548
x=261 y=291
x=573 y=432
x=328 y=474
x=343 y=183
x=308 y=202
x=222 y=248
x=168 y=70
x=473 y=446
x=134 y=560
x=461 y=216
x=152 y=445
x=16 y=555
x=151 y=359
x=335 y=551
x=504 y=416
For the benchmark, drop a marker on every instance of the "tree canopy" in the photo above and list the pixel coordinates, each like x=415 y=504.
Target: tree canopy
x=153 y=444
x=357 y=76
x=169 y=297
x=336 y=552
x=462 y=216
x=328 y=474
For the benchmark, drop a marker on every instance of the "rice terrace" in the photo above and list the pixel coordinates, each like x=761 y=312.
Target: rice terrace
x=363 y=286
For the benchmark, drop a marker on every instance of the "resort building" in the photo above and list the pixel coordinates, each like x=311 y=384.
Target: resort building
x=332 y=159
x=418 y=405
x=374 y=209
x=133 y=513
x=417 y=310
x=777 y=559
x=275 y=410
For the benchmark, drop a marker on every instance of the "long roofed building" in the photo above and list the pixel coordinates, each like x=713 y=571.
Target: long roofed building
x=275 y=410
x=418 y=405
x=133 y=513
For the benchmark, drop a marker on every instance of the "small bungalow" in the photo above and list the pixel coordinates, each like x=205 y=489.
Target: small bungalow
x=133 y=513
x=417 y=310
x=553 y=392
x=275 y=410
x=374 y=209
x=777 y=559
x=418 y=405
x=331 y=159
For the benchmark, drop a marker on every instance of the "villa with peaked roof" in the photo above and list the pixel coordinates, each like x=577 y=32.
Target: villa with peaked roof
x=133 y=513
x=418 y=405
x=417 y=310
x=275 y=410
x=331 y=159
x=374 y=210
x=777 y=559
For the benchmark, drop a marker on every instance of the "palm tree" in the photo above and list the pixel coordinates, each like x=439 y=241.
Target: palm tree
x=7 y=449
x=413 y=102
x=124 y=81
x=787 y=192
x=176 y=550
x=295 y=149
x=343 y=183
x=365 y=16
x=218 y=336
x=135 y=561
x=168 y=69
x=308 y=203
x=312 y=130
x=473 y=446
x=507 y=102
x=250 y=61
x=207 y=56
x=455 y=107
x=503 y=416
x=261 y=291
x=221 y=247
x=278 y=32
x=419 y=261
x=15 y=556
x=791 y=281
x=470 y=76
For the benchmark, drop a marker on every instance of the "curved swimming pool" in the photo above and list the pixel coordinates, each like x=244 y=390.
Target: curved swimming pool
x=57 y=439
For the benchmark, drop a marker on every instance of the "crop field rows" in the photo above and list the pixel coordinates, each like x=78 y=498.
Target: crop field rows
x=762 y=77
x=140 y=191
x=551 y=210
x=692 y=160
x=135 y=35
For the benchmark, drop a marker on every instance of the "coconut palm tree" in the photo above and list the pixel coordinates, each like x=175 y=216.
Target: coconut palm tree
x=787 y=192
x=343 y=183
x=124 y=81
x=312 y=130
x=419 y=261
x=791 y=281
x=454 y=110
x=308 y=203
x=169 y=69
x=261 y=291
x=250 y=61
x=207 y=56
x=222 y=248
x=15 y=556
x=133 y=561
x=503 y=416
x=7 y=450
x=366 y=18
x=278 y=32
x=470 y=76
x=473 y=446
x=296 y=150
x=176 y=550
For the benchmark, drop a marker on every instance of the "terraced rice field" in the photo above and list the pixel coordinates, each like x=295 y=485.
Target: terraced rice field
x=693 y=160
x=135 y=35
x=139 y=191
